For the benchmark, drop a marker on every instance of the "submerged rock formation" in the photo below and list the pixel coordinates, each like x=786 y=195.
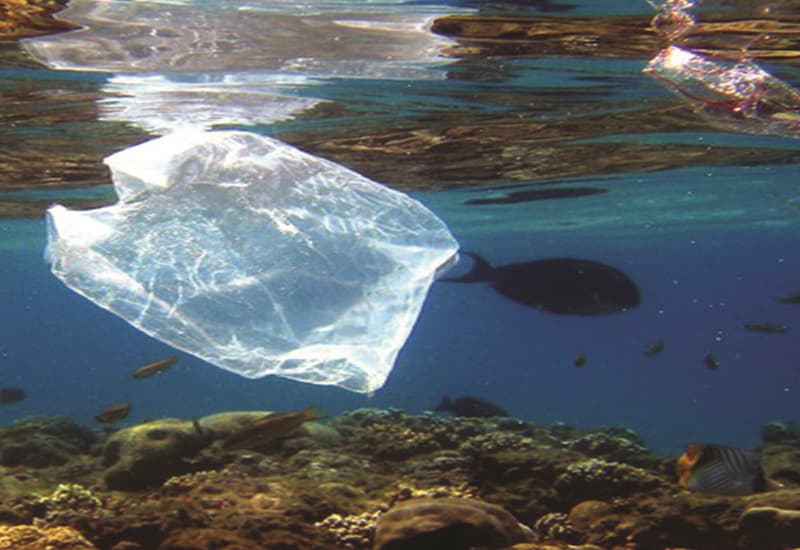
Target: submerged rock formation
x=20 y=18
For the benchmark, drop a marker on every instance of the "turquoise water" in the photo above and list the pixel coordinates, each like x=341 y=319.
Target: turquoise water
x=710 y=245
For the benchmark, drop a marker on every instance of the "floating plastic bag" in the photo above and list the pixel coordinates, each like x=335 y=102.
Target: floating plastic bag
x=738 y=96
x=255 y=257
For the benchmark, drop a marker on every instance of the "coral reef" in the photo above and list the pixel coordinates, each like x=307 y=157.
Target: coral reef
x=612 y=444
x=377 y=479
x=447 y=522
x=353 y=531
x=40 y=442
x=28 y=537
x=556 y=526
x=779 y=431
x=70 y=497
x=601 y=479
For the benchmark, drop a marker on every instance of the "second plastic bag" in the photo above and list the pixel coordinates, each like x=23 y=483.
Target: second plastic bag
x=255 y=257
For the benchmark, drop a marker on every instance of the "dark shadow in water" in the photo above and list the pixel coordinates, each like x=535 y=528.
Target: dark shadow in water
x=530 y=195
x=567 y=286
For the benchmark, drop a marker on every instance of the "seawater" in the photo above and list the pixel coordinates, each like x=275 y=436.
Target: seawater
x=711 y=247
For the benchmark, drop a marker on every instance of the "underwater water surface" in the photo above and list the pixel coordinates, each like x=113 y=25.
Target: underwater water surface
x=704 y=220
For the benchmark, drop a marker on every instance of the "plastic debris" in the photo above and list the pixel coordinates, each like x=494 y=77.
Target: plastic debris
x=672 y=20
x=738 y=96
x=255 y=257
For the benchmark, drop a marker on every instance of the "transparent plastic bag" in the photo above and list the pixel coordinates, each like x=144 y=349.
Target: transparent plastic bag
x=255 y=257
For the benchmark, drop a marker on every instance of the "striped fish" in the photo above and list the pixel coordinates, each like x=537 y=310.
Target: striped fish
x=720 y=470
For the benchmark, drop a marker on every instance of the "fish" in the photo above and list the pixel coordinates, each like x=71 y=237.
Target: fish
x=711 y=362
x=580 y=360
x=114 y=413
x=566 y=286
x=530 y=195
x=720 y=470
x=154 y=368
x=790 y=298
x=768 y=328
x=469 y=406
x=269 y=428
x=654 y=349
x=12 y=395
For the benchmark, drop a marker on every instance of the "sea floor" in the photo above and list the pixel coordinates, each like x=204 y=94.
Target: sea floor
x=374 y=478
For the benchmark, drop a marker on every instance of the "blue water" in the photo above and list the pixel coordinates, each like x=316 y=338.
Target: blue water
x=710 y=247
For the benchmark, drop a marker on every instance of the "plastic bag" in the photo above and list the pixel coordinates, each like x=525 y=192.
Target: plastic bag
x=739 y=96
x=255 y=257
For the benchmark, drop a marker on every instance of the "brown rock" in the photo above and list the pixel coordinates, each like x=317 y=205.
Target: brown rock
x=585 y=514
x=549 y=546
x=148 y=454
x=453 y=523
x=28 y=537
x=20 y=18
x=771 y=526
x=206 y=539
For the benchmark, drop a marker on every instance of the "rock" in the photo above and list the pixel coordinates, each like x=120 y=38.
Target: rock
x=585 y=514
x=30 y=18
x=612 y=445
x=599 y=478
x=452 y=523
x=548 y=546
x=771 y=527
x=43 y=441
x=28 y=537
x=148 y=454
x=205 y=539
x=779 y=431
x=322 y=435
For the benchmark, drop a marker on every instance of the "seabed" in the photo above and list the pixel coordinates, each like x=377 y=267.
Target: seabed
x=374 y=478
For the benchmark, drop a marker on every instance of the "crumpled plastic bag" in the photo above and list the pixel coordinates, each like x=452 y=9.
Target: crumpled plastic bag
x=255 y=257
x=740 y=97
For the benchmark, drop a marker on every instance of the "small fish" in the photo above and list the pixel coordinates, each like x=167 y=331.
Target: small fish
x=654 y=349
x=470 y=406
x=720 y=470
x=154 y=368
x=11 y=395
x=114 y=413
x=580 y=360
x=790 y=298
x=269 y=428
x=711 y=362
x=768 y=328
